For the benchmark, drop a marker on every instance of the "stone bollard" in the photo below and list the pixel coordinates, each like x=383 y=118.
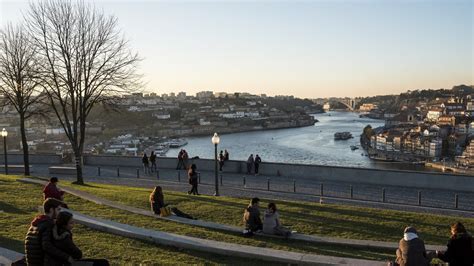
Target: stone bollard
x=118 y=171
x=294 y=186
x=98 y=171
x=383 y=194
x=419 y=198
x=321 y=190
x=351 y=192
x=268 y=184
x=244 y=180
x=138 y=172
x=456 y=201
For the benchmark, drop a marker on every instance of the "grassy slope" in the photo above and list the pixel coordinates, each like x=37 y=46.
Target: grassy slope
x=309 y=218
x=19 y=202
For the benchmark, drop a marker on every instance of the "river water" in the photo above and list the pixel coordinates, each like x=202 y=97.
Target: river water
x=305 y=145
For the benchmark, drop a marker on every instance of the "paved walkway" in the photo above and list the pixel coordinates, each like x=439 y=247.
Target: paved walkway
x=8 y=256
x=214 y=247
x=216 y=226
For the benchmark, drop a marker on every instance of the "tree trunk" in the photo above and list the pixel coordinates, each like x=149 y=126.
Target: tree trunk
x=24 y=143
x=78 y=158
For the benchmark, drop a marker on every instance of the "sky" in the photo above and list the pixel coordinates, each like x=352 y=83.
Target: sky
x=308 y=49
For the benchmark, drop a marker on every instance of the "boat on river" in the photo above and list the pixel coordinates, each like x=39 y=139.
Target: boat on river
x=342 y=135
x=354 y=147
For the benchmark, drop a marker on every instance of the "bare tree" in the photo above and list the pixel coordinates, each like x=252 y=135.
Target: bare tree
x=85 y=61
x=18 y=78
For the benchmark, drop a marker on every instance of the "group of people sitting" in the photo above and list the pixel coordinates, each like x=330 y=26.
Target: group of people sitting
x=271 y=220
x=459 y=252
x=49 y=238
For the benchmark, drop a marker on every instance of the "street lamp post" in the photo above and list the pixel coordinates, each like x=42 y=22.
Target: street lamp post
x=4 y=135
x=215 y=141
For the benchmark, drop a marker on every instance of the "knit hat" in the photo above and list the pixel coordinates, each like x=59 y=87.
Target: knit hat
x=410 y=229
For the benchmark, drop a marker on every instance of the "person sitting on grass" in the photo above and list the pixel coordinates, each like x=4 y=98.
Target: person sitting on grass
x=157 y=202
x=252 y=220
x=62 y=239
x=38 y=240
x=460 y=250
x=271 y=222
x=411 y=250
x=51 y=190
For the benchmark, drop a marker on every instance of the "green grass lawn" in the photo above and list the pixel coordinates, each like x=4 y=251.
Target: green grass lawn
x=325 y=220
x=308 y=218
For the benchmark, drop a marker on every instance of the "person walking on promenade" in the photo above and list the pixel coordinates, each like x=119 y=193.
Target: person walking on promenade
x=157 y=201
x=185 y=159
x=460 y=251
x=180 y=160
x=252 y=220
x=146 y=163
x=271 y=222
x=221 y=160
x=51 y=190
x=250 y=163
x=193 y=180
x=153 y=161
x=411 y=250
x=62 y=239
x=226 y=155
x=257 y=162
x=38 y=240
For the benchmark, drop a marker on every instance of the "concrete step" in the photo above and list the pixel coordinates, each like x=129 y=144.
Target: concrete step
x=214 y=247
x=7 y=257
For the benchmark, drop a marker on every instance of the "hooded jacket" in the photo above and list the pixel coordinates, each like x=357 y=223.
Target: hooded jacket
x=38 y=242
x=411 y=251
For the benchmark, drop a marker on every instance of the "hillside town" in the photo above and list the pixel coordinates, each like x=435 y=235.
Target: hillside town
x=437 y=130
x=142 y=121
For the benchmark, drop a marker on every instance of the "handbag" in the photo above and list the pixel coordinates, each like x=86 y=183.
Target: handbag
x=165 y=211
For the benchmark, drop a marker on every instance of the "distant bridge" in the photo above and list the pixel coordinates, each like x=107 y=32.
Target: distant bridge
x=350 y=103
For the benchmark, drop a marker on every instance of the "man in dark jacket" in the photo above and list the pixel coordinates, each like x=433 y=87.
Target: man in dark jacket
x=257 y=163
x=411 y=250
x=252 y=219
x=38 y=240
x=460 y=247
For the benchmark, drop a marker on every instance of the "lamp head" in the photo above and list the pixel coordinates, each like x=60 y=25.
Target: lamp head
x=4 y=133
x=215 y=139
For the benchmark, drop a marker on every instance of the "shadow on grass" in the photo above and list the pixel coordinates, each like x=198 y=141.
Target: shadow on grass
x=6 y=207
x=12 y=244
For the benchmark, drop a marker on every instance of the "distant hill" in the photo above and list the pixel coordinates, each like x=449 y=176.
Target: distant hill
x=412 y=97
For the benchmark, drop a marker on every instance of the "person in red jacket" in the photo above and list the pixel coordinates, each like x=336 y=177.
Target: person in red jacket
x=52 y=191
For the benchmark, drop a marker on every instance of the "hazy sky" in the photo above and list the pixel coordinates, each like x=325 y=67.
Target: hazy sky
x=306 y=48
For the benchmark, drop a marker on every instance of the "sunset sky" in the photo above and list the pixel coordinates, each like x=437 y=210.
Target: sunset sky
x=304 y=48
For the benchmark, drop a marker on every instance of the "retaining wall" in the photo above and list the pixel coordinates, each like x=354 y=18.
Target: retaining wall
x=427 y=180
x=17 y=158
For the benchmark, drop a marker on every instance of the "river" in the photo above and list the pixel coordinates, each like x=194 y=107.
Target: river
x=305 y=145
